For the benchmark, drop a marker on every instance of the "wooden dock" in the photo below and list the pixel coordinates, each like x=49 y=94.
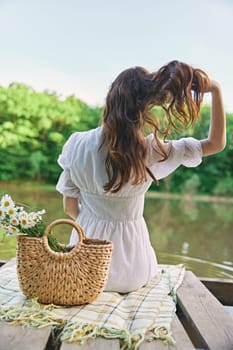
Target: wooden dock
x=201 y=322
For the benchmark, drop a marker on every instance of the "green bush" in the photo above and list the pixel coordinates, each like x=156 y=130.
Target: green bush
x=224 y=187
x=33 y=129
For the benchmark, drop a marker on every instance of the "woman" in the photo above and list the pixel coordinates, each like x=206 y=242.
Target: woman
x=109 y=169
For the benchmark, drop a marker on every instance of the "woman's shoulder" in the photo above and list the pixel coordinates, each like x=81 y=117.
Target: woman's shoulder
x=82 y=135
x=157 y=148
x=78 y=145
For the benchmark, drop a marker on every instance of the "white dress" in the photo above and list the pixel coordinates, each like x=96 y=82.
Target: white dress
x=117 y=217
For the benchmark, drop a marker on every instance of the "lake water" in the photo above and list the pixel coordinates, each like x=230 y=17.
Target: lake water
x=196 y=233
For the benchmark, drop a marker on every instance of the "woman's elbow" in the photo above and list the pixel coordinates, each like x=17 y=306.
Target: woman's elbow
x=209 y=148
x=66 y=209
x=70 y=206
x=222 y=145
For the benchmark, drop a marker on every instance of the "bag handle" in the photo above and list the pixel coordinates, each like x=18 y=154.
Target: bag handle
x=69 y=222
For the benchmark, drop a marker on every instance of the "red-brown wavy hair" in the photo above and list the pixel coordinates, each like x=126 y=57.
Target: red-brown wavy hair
x=177 y=87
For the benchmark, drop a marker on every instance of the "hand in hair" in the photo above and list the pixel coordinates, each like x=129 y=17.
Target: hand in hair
x=180 y=90
x=216 y=140
x=213 y=85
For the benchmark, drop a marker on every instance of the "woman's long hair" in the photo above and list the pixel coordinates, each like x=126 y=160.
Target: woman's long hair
x=128 y=111
x=179 y=90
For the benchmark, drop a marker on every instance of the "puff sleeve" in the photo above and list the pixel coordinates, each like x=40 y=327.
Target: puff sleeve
x=65 y=184
x=186 y=151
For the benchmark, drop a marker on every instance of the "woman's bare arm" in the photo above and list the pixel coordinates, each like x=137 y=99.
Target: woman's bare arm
x=216 y=140
x=71 y=207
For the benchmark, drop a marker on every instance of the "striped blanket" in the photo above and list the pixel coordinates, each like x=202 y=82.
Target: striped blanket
x=144 y=314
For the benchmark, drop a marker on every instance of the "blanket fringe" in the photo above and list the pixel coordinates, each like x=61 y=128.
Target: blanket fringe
x=73 y=332
x=36 y=315
x=31 y=314
x=162 y=333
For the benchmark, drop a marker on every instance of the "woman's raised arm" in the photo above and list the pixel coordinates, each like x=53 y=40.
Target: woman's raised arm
x=216 y=139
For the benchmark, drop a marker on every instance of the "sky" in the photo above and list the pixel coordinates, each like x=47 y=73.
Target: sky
x=79 y=47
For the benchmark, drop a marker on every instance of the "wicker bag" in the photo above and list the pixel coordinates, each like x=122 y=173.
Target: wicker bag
x=71 y=278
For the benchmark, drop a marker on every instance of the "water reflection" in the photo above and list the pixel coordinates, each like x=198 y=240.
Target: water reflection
x=198 y=234
x=185 y=248
x=201 y=268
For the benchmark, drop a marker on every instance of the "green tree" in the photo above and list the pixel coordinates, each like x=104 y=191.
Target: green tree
x=33 y=129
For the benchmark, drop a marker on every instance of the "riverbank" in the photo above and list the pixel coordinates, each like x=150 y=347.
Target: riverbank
x=32 y=186
x=189 y=197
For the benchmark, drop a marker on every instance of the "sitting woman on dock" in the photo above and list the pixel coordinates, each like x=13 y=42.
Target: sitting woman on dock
x=109 y=169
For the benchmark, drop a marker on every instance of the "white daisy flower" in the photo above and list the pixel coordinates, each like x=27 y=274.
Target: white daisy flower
x=23 y=213
x=30 y=217
x=14 y=221
x=41 y=212
x=11 y=211
x=7 y=202
x=31 y=221
x=24 y=222
x=12 y=230
x=36 y=217
x=19 y=209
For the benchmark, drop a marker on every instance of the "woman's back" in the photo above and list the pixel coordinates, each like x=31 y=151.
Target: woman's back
x=106 y=168
x=117 y=216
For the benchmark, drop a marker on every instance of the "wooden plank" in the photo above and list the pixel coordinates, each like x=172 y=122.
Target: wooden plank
x=155 y=345
x=229 y=310
x=23 y=338
x=180 y=336
x=93 y=344
x=205 y=314
x=182 y=339
x=222 y=289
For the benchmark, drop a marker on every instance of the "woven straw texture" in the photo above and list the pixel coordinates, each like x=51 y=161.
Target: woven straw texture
x=71 y=278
